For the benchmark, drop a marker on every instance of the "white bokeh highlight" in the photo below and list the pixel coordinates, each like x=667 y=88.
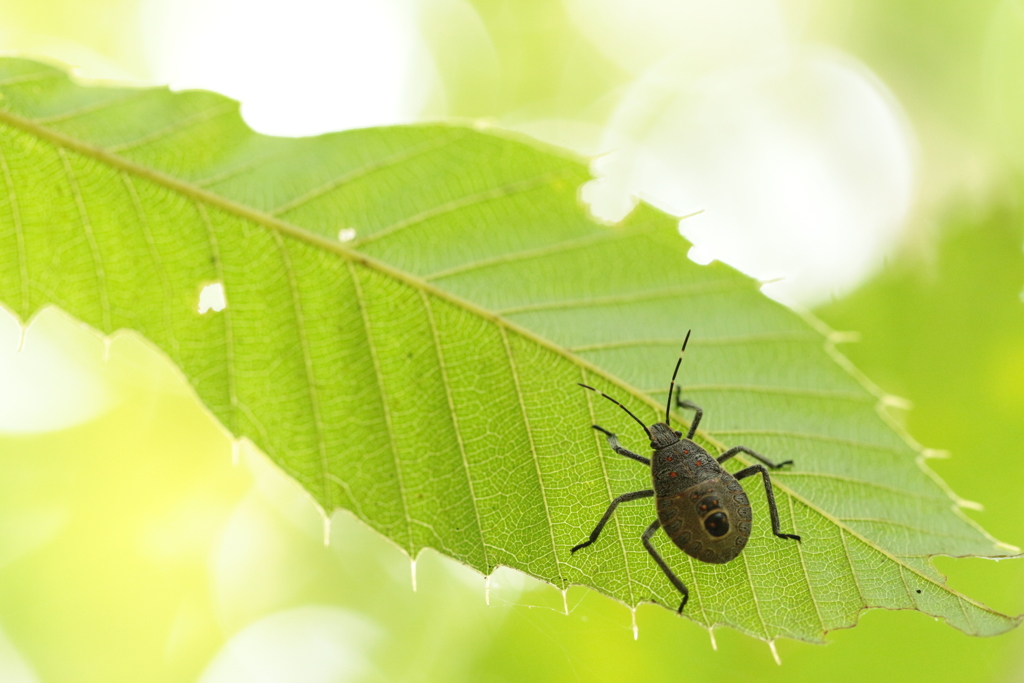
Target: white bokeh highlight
x=703 y=36
x=50 y=383
x=299 y=68
x=314 y=644
x=14 y=668
x=797 y=160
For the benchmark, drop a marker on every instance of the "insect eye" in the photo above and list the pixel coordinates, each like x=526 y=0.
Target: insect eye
x=678 y=434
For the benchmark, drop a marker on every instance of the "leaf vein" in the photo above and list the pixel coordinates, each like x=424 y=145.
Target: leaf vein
x=547 y=250
x=154 y=254
x=411 y=152
x=608 y=490
x=859 y=482
x=853 y=570
x=753 y=594
x=134 y=94
x=845 y=529
x=263 y=219
x=803 y=564
x=229 y=334
x=890 y=522
x=234 y=171
x=719 y=341
x=19 y=231
x=696 y=593
x=177 y=126
x=94 y=247
x=33 y=77
x=967 y=615
x=635 y=297
x=810 y=437
x=906 y=586
x=533 y=451
x=361 y=301
x=455 y=424
x=461 y=203
x=785 y=391
x=307 y=359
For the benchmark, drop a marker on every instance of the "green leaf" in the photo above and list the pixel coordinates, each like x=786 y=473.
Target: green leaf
x=423 y=373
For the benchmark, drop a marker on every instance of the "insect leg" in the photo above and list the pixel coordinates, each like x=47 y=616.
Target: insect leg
x=692 y=406
x=624 y=498
x=680 y=586
x=613 y=441
x=757 y=456
x=754 y=469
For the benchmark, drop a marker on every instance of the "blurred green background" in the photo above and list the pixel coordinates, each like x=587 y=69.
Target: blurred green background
x=137 y=544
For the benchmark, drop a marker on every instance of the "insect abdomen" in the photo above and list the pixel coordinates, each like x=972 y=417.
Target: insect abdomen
x=709 y=521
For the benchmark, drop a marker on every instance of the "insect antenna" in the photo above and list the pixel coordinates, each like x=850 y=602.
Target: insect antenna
x=638 y=421
x=672 y=384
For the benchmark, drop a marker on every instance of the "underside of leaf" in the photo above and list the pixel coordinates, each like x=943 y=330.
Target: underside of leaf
x=409 y=311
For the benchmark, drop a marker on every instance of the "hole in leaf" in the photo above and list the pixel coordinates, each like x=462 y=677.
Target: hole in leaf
x=211 y=298
x=346 y=234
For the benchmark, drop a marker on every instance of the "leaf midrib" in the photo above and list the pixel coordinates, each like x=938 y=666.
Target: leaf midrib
x=199 y=194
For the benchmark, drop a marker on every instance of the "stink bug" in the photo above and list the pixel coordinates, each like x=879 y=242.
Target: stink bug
x=703 y=508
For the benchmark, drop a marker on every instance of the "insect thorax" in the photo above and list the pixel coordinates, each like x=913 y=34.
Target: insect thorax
x=680 y=466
